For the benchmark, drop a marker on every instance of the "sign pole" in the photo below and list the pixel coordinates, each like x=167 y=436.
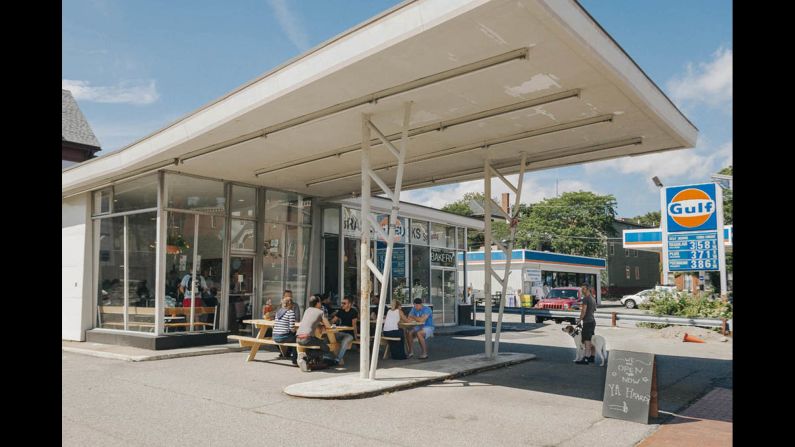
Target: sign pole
x=664 y=231
x=721 y=247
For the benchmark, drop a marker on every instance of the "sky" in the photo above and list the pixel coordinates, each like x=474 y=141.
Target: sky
x=136 y=66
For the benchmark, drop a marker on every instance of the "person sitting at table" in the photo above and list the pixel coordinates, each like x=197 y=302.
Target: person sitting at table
x=325 y=302
x=346 y=316
x=187 y=285
x=284 y=327
x=306 y=336
x=422 y=314
x=394 y=316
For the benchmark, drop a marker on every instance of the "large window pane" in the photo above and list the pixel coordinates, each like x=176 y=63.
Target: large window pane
x=241 y=294
x=244 y=202
x=297 y=262
x=137 y=194
x=102 y=201
x=442 y=235
x=110 y=299
x=287 y=207
x=206 y=278
x=273 y=242
x=331 y=221
x=141 y=257
x=461 y=241
x=420 y=273
x=331 y=268
x=419 y=232
x=243 y=235
x=192 y=193
x=351 y=268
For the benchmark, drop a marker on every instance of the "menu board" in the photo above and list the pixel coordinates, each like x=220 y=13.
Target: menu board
x=630 y=386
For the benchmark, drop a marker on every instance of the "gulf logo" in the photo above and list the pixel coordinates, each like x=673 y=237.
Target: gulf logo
x=691 y=208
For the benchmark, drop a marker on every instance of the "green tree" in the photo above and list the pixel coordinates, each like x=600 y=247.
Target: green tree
x=574 y=223
x=650 y=219
x=726 y=171
x=462 y=207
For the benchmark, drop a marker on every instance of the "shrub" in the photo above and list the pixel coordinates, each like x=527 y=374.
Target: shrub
x=684 y=304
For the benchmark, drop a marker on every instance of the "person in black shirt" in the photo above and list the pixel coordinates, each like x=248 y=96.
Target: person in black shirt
x=347 y=316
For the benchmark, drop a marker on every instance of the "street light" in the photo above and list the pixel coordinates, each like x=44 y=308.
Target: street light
x=657 y=182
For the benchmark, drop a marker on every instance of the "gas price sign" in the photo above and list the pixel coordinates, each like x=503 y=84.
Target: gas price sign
x=693 y=251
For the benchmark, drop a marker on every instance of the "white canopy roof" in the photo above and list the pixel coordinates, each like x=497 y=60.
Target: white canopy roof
x=539 y=76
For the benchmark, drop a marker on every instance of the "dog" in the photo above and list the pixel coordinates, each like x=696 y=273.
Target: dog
x=597 y=341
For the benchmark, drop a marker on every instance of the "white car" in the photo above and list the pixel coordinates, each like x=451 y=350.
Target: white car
x=632 y=301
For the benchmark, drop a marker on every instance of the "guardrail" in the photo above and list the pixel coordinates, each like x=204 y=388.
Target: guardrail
x=722 y=323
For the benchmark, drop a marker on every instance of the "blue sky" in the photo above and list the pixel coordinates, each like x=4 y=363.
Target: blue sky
x=136 y=66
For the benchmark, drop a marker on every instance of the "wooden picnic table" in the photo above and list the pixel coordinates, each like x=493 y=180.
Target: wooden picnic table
x=263 y=325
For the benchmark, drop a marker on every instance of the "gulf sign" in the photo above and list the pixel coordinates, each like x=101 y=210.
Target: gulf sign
x=691 y=207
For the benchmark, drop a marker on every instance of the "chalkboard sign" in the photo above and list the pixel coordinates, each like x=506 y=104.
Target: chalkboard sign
x=630 y=386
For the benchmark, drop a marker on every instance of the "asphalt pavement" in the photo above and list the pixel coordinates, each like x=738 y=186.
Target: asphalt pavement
x=222 y=400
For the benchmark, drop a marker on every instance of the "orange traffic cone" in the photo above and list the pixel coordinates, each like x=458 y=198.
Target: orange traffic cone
x=692 y=339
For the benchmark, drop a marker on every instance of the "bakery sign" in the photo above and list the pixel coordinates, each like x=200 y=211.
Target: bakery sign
x=442 y=258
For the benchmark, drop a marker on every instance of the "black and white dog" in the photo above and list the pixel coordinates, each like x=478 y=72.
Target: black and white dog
x=597 y=341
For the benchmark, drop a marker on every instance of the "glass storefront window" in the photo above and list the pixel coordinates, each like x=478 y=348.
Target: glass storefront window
x=243 y=235
x=137 y=194
x=102 y=201
x=351 y=268
x=273 y=242
x=331 y=263
x=244 y=202
x=287 y=207
x=141 y=274
x=190 y=193
x=110 y=290
x=419 y=232
x=442 y=235
x=460 y=238
x=183 y=278
x=297 y=261
x=331 y=221
x=420 y=273
x=351 y=223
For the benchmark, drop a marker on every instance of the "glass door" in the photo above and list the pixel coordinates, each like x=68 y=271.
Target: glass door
x=443 y=292
x=241 y=294
x=449 y=293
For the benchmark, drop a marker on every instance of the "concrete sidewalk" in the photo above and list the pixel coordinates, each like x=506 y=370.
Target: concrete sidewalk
x=351 y=386
x=133 y=354
x=706 y=423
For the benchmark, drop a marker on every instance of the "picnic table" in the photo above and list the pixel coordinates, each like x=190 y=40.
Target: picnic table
x=261 y=339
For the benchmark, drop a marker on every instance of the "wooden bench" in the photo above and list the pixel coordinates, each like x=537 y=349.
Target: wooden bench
x=384 y=341
x=149 y=314
x=251 y=341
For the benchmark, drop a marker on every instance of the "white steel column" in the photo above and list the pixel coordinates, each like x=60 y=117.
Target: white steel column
x=390 y=241
x=513 y=221
x=487 y=250
x=364 y=253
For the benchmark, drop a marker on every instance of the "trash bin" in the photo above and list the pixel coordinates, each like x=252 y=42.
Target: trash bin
x=527 y=300
x=465 y=314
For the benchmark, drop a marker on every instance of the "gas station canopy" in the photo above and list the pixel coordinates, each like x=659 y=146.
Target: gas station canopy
x=485 y=78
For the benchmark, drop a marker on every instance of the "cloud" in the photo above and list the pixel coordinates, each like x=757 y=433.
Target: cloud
x=711 y=83
x=126 y=92
x=685 y=164
x=291 y=24
x=533 y=190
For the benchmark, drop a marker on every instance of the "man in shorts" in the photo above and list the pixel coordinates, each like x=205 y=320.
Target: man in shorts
x=422 y=314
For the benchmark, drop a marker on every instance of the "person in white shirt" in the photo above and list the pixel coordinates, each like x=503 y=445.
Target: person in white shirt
x=394 y=316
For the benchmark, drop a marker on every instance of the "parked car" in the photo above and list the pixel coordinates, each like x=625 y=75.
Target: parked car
x=632 y=301
x=560 y=298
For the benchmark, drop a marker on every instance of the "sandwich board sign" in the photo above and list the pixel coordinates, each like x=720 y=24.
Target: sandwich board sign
x=630 y=386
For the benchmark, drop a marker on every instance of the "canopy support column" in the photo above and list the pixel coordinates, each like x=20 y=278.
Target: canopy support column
x=364 y=253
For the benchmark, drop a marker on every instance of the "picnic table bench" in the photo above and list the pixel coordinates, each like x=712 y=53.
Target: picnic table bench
x=145 y=316
x=263 y=325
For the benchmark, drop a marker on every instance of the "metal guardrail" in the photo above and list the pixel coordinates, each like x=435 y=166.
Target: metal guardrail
x=615 y=316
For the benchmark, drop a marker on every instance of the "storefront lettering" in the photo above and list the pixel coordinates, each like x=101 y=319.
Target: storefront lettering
x=442 y=258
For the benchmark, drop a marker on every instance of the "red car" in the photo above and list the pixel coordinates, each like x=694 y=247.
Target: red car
x=561 y=298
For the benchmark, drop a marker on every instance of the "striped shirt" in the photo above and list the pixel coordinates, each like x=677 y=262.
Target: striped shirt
x=285 y=323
